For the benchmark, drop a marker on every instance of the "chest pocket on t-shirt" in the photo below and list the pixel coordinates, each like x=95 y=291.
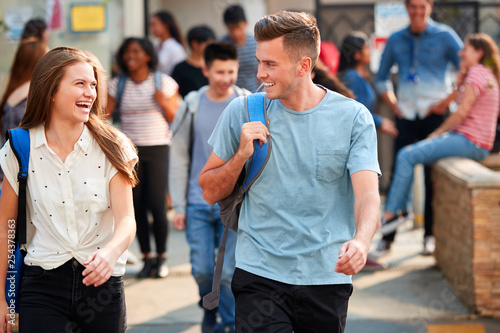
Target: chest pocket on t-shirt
x=331 y=164
x=96 y=194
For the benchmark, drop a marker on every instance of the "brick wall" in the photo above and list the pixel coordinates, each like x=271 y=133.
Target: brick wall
x=467 y=229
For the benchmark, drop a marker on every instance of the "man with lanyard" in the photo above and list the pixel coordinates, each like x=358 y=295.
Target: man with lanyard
x=423 y=52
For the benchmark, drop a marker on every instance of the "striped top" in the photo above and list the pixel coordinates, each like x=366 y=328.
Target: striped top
x=247 y=72
x=142 y=119
x=480 y=124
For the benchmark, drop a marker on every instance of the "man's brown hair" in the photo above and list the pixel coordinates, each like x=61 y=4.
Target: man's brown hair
x=300 y=31
x=407 y=2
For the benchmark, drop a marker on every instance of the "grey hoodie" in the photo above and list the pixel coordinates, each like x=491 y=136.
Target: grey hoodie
x=180 y=159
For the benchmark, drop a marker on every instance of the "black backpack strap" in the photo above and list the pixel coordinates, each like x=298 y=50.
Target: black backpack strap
x=211 y=300
x=255 y=106
x=20 y=143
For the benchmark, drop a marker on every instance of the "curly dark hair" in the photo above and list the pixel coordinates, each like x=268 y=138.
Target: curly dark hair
x=145 y=44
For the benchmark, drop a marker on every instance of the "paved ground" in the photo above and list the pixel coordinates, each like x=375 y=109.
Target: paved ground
x=410 y=296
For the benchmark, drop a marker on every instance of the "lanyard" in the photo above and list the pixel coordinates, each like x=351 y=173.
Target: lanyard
x=412 y=75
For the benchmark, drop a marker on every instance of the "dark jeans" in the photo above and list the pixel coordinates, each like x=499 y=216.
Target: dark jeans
x=411 y=131
x=56 y=301
x=150 y=195
x=264 y=305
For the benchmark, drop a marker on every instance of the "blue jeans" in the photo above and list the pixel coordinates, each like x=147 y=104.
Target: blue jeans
x=56 y=300
x=425 y=152
x=204 y=231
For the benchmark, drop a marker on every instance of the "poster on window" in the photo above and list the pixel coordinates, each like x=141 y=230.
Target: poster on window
x=55 y=17
x=14 y=19
x=389 y=17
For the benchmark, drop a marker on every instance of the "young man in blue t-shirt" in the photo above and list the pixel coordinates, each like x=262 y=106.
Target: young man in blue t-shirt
x=306 y=223
x=193 y=124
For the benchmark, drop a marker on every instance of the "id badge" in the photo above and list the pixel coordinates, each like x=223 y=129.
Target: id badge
x=412 y=77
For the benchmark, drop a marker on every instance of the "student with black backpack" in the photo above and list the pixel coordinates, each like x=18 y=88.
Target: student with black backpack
x=146 y=101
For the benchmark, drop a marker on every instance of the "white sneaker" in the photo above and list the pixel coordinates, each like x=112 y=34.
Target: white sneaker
x=391 y=225
x=429 y=245
x=382 y=249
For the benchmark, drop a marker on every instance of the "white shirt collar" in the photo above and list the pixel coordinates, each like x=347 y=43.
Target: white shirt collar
x=83 y=141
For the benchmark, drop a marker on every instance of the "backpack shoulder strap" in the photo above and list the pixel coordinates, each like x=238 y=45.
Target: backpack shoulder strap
x=256 y=109
x=158 y=83
x=120 y=87
x=20 y=143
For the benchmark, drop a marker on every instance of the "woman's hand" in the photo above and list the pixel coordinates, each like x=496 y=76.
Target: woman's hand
x=168 y=105
x=439 y=108
x=5 y=318
x=461 y=76
x=99 y=267
x=389 y=127
x=433 y=135
x=180 y=221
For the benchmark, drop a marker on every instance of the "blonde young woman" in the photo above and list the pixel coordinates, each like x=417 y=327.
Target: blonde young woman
x=80 y=211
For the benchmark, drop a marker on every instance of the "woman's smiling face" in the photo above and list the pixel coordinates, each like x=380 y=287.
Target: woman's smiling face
x=135 y=58
x=76 y=94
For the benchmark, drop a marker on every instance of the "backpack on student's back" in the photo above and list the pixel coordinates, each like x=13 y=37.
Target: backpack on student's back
x=229 y=208
x=19 y=139
x=119 y=94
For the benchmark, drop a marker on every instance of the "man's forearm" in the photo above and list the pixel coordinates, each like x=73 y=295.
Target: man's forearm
x=366 y=214
x=218 y=183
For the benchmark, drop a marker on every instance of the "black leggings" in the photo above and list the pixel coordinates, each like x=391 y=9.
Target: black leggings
x=150 y=195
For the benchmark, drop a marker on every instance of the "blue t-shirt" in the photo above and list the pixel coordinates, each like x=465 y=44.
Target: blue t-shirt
x=204 y=123
x=300 y=210
x=363 y=92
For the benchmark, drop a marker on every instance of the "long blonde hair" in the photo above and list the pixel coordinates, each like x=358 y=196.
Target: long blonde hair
x=45 y=81
x=491 y=57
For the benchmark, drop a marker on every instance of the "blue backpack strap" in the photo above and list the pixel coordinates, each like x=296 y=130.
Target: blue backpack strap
x=256 y=110
x=158 y=83
x=120 y=87
x=19 y=139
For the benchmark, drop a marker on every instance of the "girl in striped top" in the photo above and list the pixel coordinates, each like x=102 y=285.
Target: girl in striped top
x=145 y=116
x=467 y=132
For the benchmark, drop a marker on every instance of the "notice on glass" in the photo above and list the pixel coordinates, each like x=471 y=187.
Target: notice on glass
x=15 y=19
x=88 y=17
